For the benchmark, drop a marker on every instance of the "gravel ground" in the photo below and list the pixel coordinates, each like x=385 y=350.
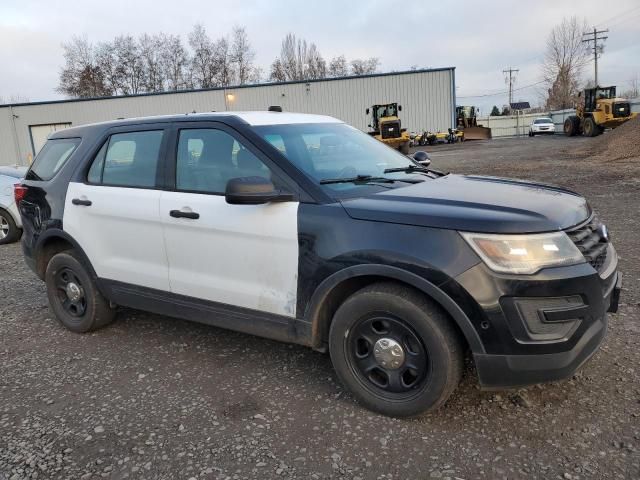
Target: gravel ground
x=155 y=397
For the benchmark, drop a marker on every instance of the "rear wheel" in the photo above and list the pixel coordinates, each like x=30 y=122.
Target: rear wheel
x=9 y=231
x=73 y=295
x=571 y=127
x=395 y=350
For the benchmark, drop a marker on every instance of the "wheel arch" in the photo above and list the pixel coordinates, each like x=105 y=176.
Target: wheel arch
x=54 y=241
x=336 y=288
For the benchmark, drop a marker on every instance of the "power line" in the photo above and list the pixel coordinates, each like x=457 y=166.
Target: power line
x=597 y=48
x=501 y=93
x=626 y=12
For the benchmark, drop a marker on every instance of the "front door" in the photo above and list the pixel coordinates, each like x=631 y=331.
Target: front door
x=114 y=214
x=240 y=255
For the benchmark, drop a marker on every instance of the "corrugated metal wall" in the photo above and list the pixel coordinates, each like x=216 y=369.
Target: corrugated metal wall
x=427 y=98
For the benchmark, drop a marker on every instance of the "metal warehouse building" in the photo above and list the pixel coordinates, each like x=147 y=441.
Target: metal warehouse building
x=427 y=98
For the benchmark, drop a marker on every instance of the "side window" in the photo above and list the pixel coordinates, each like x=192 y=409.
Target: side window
x=208 y=158
x=51 y=158
x=128 y=159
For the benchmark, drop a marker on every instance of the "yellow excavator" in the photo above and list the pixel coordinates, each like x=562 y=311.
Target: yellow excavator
x=466 y=122
x=386 y=126
x=601 y=109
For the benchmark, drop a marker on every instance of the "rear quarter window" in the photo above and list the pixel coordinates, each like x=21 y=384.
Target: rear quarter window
x=52 y=158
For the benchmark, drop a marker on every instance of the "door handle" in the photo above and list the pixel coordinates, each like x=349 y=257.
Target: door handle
x=181 y=214
x=82 y=202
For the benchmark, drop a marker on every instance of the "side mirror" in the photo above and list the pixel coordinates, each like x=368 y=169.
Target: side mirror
x=422 y=158
x=399 y=108
x=366 y=111
x=253 y=191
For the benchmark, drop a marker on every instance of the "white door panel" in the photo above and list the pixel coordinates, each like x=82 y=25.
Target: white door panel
x=242 y=255
x=121 y=233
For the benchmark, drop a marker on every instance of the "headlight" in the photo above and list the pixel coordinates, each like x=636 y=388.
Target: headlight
x=525 y=254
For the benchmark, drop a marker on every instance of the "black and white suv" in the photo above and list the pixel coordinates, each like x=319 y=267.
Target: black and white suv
x=304 y=229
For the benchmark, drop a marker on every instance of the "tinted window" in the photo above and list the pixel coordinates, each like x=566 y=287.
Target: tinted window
x=208 y=158
x=128 y=159
x=328 y=151
x=52 y=157
x=538 y=121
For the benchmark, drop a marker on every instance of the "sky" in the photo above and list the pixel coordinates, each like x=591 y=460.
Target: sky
x=479 y=38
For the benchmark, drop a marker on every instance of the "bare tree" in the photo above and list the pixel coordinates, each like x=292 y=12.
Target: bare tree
x=565 y=57
x=13 y=98
x=151 y=50
x=81 y=76
x=242 y=56
x=174 y=63
x=634 y=88
x=223 y=70
x=364 y=67
x=108 y=63
x=202 y=61
x=277 y=71
x=298 y=60
x=129 y=66
x=316 y=67
x=338 y=67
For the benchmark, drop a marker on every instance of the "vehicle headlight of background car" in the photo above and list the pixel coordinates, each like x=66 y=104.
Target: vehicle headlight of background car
x=524 y=254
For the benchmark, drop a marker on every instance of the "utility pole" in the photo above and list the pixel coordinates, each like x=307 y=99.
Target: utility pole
x=512 y=79
x=597 y=48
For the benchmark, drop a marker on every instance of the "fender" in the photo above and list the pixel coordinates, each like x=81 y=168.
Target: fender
x=312 y=317
x=56 y=233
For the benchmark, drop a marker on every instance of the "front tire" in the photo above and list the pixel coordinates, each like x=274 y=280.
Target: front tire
x=590 y=127
x=73 y=295
x=395 y=350
x=9 y=231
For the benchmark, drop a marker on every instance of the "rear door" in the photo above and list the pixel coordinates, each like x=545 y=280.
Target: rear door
x=240 y=255
x=114 y=213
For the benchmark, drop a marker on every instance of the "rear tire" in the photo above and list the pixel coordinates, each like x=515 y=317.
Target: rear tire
x=9 y=231
x=73 y=295
x=428 y=364
x=570 y=127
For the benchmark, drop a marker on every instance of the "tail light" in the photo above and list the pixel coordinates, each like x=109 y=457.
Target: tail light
x=19 y=192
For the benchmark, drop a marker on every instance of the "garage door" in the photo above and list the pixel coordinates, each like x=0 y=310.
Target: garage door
x=40 y=133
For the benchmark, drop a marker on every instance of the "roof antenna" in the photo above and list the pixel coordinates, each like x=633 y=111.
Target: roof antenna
x=275 y=108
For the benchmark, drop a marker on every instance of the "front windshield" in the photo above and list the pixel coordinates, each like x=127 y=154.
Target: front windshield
x=605 y=93
x=542 y=120
x=387 y=111
x=335 y=150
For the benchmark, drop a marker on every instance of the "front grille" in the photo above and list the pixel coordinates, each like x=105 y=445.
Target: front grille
x=390 y=130
x=621 y=109
x=591 y=242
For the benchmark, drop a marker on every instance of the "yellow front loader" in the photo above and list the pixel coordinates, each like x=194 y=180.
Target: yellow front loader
x=601 y=109
x=386 y=126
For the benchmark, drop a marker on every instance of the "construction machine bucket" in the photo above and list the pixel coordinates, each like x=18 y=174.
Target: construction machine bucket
x=477 y=133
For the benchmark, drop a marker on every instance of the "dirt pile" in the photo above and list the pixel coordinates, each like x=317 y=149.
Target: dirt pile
x=620 y=143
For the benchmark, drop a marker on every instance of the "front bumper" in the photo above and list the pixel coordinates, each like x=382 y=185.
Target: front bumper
x=508 y=371
x=518 y=348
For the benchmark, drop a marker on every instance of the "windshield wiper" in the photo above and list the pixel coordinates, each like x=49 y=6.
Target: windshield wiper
x=414 y=169
x=357 y=179
x=407 y=169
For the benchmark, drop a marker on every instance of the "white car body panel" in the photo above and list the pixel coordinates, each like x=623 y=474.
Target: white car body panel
x=9 y=176
x=120 y=232
x=242 y=255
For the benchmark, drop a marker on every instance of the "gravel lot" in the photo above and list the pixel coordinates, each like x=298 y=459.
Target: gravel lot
x=155 y=397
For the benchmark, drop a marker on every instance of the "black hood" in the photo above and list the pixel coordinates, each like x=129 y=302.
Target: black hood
x=475 y=204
